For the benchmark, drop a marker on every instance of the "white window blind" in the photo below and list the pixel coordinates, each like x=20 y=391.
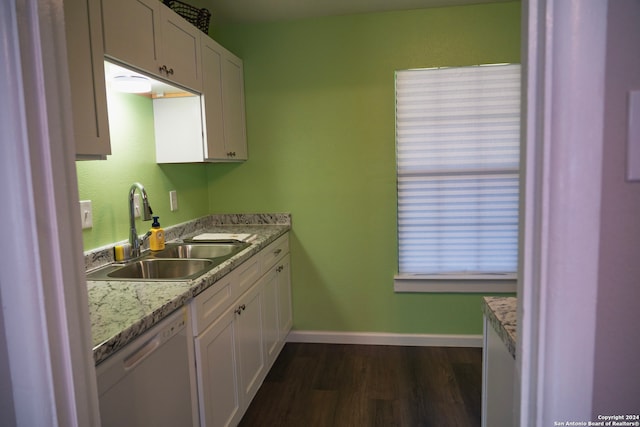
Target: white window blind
x=458 y=145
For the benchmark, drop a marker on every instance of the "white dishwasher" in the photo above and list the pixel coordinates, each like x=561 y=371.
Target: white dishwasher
x=150 y=382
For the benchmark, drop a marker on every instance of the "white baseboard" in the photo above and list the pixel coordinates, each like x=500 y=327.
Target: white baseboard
x=375 y=338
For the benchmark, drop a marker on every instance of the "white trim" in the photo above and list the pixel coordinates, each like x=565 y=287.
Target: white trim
x=456 y=284
x=379 y=338
x=42 y=287
x=565 y=57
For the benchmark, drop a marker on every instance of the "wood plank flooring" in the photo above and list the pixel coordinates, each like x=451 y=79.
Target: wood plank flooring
x=337 y=385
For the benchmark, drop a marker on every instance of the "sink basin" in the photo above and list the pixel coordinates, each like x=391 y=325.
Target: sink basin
x=154 y=269
x=201 y=250
x=178 y=261
x=162 y=269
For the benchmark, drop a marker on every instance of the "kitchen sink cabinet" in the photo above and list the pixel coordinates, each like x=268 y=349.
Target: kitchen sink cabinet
x=147 y=35
x=86 y=75
x=240 y=325
x=217 y=363
x=229 y=355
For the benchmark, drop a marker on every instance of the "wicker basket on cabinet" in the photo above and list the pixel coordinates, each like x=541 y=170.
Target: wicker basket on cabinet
x=198 y=17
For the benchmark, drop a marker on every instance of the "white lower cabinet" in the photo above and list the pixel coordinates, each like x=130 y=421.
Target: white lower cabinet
x=277 y=314
x=498 y=373
x=250 y=342
x=270 y=315
x=285 y=314
x=240 y=325
x=217 y=370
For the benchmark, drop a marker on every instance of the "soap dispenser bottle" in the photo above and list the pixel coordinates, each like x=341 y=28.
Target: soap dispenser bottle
x=156 y=239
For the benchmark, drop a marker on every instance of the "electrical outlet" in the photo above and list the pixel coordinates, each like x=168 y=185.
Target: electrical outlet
x=86 y=214
x=173 y=200
x=136 y=205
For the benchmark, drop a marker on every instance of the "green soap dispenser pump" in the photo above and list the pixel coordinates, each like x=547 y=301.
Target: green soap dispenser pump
x=156 y=239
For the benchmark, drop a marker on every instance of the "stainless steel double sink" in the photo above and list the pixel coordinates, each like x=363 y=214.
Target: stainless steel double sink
x=177 y=261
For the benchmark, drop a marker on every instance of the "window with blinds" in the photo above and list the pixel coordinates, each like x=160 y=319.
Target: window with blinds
x=458 y=144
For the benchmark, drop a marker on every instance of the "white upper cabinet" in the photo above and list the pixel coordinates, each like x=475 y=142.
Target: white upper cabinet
x=149 y=36
x=212 y=108
x=132 y=32
x=210 y=128
x=180 y=52
x=86 y=75
x=223 y=103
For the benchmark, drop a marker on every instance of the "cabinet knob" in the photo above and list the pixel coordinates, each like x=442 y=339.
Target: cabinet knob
x=166 y=70
x=240 y=309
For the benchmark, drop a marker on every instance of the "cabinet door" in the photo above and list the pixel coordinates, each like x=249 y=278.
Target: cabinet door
x=212 y=54
x=223 y=90
x=249 y=314
x=285 y=313
x=180 y=54
x=132 y=32
x=270 y=320
x=234 y=113
x=218 y=382
x=85 y=56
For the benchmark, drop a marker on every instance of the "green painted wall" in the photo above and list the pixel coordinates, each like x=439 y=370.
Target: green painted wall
x=107 y=183
x=320 y=123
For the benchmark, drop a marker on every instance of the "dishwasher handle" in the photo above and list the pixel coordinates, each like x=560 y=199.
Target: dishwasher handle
x=142 y=353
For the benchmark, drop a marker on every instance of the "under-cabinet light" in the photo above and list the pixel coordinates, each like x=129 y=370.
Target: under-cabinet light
x=131 y=84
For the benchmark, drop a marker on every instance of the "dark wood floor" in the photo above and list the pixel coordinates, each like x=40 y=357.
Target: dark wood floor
x=364 y=386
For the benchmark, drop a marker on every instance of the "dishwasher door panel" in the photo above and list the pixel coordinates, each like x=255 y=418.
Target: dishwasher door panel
x=148 y=383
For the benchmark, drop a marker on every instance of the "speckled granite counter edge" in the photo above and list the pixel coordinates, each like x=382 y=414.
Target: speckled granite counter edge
x=267 y=227
x=501 y=312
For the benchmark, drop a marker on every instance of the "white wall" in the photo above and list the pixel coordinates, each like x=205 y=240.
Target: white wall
x=617 y=356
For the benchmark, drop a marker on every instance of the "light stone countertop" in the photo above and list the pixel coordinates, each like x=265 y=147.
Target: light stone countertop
x=502 y=315
x=120 y=311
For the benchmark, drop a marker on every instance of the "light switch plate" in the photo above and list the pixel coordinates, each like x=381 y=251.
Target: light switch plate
x=173 y=200
x=86 y=214
x=633 y=137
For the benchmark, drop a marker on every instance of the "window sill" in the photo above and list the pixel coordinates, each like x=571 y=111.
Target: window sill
x=456 y=283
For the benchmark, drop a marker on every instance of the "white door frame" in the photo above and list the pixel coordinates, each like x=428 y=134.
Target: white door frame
x=45 y=339
x=564 y=52
x=45 y=321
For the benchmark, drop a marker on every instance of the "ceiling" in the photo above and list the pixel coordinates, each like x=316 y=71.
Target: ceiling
x=246 y=11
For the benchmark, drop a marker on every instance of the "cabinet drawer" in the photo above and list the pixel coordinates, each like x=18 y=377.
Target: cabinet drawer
x=247 y=274
x=213 y=302
x=274 y=252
